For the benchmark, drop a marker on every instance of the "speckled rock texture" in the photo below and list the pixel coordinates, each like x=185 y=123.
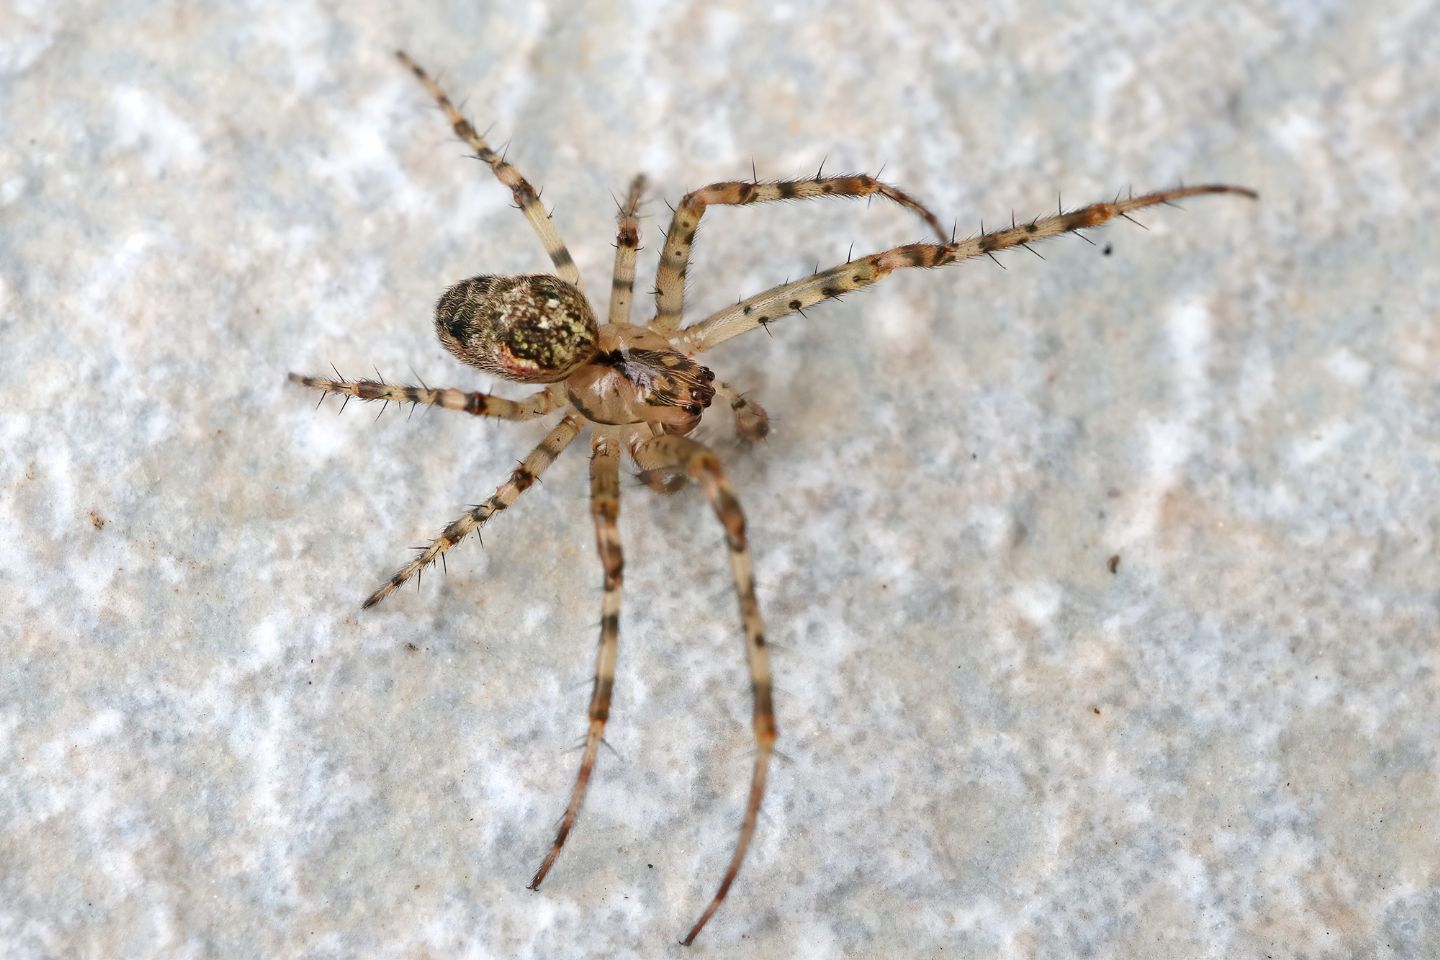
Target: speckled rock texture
x=1104 y=590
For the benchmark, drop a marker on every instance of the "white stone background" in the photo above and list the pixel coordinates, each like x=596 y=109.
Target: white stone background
x=996 y=747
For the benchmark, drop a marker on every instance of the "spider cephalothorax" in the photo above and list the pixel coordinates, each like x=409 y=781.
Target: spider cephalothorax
x=641 y=391
x=637 y=376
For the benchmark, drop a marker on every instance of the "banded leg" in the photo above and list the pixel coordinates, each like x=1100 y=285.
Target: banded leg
x=627 y=241
x=656 y=471
x=474 y=402
x=751 y=420
x=605 y=508
x=526 y=198
x=837 y=281
x=675 y=259
x=702 y=466
x=521 y=479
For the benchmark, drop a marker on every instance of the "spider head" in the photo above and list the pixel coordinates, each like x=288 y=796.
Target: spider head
x=532 y=329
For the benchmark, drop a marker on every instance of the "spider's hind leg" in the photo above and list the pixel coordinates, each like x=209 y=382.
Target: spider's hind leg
x=472 y=402
x=605 y=508
x=627 y=242
x=527 y=198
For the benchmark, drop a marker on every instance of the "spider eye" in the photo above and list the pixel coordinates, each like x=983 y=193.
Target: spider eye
x=534 y=329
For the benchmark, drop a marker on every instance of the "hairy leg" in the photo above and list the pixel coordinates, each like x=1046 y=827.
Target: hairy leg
x=775 y=303
x=526 y=198
x=521 y=479
x=627 y=241
x=605 y=508
x=656 y=471
x=474 y=402
x=680 y=239
x=701 y=465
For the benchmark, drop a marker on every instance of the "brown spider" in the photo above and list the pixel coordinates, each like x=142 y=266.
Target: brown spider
x=641 y=389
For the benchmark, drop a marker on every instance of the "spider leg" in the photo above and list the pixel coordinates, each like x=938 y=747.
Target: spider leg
x=627 y=241
x=680 y=238
x=702 y=466
x=526 y=198
x=605 y=508
x=656 y=471
x=751 y=420
x=788 y=298
x=521 y=479
x=474 y=402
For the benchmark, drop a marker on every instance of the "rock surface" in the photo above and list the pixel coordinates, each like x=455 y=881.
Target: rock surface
x=1104 y=590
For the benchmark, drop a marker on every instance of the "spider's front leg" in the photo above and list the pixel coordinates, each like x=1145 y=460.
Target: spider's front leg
x=472 y=402
x=788 y=298
x=680 y=238
x=685 y=456
x=605 y=508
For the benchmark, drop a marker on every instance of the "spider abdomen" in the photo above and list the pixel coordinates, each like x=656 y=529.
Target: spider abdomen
x=635 y=376
x=532 y=329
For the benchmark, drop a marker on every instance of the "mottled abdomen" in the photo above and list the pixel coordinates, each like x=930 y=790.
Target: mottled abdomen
x=533 y=329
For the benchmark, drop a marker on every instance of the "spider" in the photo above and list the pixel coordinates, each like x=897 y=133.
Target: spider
x=640 y=390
